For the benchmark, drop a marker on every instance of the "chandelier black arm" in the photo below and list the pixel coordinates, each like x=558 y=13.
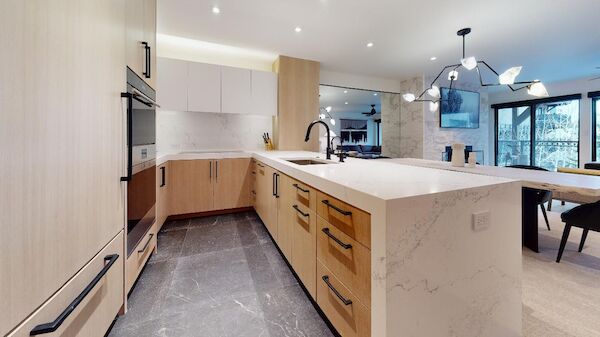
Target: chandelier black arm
x=526 y=83
x=418 y=99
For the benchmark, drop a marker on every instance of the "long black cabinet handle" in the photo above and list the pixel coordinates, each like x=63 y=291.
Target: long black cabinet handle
x=326 y=202
x=338 y=241
x=274 y=182
x=109 y=260
x=147 y=243
x=163 y=180
x=306 y=215
x=276 y=185
x=337 y=293
x=300 y=188
x=148 y=53
x=210 y=169
x=216 y=169
x=129 y=97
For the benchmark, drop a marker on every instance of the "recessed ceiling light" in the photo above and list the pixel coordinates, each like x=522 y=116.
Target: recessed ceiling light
x=374 y=94
x=216 y=10
x=346 y=103
x=345 y=91
x=370 y=44
x=298 y=29
x=433 y=58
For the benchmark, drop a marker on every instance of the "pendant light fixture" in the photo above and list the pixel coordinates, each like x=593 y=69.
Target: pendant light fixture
x=325 y=113
x=534 y=88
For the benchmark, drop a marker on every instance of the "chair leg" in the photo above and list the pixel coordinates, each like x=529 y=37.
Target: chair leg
x=563 y=242
x=545 y=216
x=550 y=205
x=563 y=203
x=583 y=237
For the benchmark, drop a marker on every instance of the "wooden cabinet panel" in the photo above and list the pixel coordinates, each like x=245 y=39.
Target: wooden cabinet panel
x=350 y=319
x=236 y=90
x=94 y=315
x=350 y=264
x=61 y=141
x=135 y=35
x=285 y=216
x=352 y=221
x=264 y=93
x=304 y=250
x=150 y=38
x=191 y=189
x=172 y=84
x=266 y=201
x=231 y=183
x=162 y=194
x=140 y=255
x=204 y=87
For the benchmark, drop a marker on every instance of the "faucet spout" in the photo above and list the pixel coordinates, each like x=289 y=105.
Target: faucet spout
x=307 y=138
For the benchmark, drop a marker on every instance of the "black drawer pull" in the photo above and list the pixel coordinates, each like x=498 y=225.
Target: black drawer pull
x=337 y=293
x=326 y=202
x=300 y=188
x=109 y=260
x=259 y=164
x=163 y=178
x=338 y=241
x=306 y=215
x=147 y=243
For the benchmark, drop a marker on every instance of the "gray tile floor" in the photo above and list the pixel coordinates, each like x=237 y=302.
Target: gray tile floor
x=218 y=276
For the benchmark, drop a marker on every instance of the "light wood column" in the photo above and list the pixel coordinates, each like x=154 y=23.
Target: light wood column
x=298 y=103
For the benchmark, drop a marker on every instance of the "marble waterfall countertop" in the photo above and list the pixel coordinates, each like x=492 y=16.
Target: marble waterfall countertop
x=432 y=272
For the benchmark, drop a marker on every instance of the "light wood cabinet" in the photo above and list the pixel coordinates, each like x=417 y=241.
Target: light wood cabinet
x=61 y=141
x=162 y=194
x=141 y=38
x=264 y=93
x=267 y=201
x=231 y=183
x=172 y=84
x=140 y=255
x=285 y=217
x=204 y=87
x=204 y=185
x=191 y=188
x=236 y=90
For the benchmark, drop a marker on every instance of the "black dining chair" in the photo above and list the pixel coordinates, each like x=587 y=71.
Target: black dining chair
x=543 y=196
x=585 y=216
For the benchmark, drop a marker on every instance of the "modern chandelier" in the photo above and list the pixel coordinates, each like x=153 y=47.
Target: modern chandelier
x=534 y=88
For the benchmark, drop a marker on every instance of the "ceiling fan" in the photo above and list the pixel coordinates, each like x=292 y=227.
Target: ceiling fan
x=595 y=78
x=372 y=112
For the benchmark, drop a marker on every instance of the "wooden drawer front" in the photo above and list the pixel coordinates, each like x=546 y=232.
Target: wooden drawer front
x=136 y=261
x=95 y=313
x=303 y=194
x=347 y=259
x=304 y=246
x=351 y=318
x=350 y=220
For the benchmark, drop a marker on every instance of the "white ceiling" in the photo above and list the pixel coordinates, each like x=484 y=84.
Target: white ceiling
x=553 y=39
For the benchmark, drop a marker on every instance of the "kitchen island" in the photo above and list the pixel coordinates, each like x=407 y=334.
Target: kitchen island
x=443 y=248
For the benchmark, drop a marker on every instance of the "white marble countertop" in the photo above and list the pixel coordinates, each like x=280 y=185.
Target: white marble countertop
x=553 y=181
x=209 y=154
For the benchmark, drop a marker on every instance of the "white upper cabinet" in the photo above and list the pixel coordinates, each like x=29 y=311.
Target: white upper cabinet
x=264 y=93
x=201 y=87
x=204 y=87
x=172 y=88
x=236 y=90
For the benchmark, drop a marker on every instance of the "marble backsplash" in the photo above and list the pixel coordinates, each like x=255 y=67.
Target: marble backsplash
x=178 y=131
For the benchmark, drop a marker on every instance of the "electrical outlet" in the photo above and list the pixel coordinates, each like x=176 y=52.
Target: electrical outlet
x=481 y=221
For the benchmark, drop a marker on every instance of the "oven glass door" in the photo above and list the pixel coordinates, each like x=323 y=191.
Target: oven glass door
x=141 y=188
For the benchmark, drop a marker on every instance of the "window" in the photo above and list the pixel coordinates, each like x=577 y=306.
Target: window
x=542 y=133
x=595 y=96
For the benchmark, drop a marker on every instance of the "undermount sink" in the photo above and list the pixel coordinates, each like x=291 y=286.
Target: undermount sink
x=308 y=161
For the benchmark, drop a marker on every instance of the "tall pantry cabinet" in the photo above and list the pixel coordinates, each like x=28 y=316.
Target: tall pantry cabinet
x=62 y=69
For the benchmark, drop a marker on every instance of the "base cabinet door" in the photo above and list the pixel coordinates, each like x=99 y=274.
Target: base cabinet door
x=162 y=194
x=94 y=314
x=231 y=183
x=285 y=216
x=191 y=189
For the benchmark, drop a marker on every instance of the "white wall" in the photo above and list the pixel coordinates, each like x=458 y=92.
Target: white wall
x=359 y=81
x=578 y=86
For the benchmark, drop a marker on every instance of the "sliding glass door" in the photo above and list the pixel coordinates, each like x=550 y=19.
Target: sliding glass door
x=513 y=136
x=542 y=133
x=556 y=141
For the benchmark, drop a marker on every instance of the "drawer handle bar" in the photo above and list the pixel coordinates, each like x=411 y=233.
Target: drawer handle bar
x=306 y=215
x=337 y=293
x=326 y=202
x=109 y=260
x=338 y=241
x=300 y=188
x=259 y=164
x=147 y=243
